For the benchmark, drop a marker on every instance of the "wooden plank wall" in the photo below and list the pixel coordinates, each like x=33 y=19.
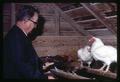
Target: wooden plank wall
x=6 y=17
x=64 y=45
x=9 y=11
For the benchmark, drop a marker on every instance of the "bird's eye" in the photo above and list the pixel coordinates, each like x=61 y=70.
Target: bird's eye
x=89 y=40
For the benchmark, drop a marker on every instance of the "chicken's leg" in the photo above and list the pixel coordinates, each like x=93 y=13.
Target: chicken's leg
x=89 y=64
x=74 y=73
x=101 y=69
x=81 y=62
x=107 y=69
x=56 y=68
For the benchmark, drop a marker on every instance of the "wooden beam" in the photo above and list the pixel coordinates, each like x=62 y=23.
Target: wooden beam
x=75 y=26
x=91 y=20
x=95 y=12
x=66 y=75
x=57 y=23
x=95 y=24
x=77 y=12
x=81 y=12
x=101 y=73
x=100 y=32
x=63 y=5
x=112 y=6
x=69 y=33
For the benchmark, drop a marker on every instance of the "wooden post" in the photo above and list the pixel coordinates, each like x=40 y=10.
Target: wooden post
x=57 y=22
x=12 y=14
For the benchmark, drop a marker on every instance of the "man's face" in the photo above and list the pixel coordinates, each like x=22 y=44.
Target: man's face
x=32 y=23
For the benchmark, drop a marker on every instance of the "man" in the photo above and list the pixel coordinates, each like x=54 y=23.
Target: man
x=20 y=59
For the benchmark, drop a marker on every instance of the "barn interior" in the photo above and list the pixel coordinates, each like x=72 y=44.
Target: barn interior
x=67 y=27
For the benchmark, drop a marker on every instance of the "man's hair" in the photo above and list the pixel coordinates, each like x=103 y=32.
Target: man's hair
x=26 y=12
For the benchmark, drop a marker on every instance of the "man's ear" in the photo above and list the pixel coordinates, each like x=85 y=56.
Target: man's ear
x=26 y=19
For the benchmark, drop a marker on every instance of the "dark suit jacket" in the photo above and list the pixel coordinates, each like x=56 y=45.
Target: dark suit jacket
x=20 y=59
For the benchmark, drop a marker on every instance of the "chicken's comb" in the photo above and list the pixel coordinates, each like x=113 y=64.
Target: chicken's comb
x=91 y=36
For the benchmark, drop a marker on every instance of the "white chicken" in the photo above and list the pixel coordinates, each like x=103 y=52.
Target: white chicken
x=105 y=53
x=84 y=55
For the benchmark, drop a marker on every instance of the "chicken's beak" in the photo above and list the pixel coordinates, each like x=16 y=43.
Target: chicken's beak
x=90 y=41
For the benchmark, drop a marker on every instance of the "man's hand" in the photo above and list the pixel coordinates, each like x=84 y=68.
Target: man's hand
x=47 y=64
x=50 y=77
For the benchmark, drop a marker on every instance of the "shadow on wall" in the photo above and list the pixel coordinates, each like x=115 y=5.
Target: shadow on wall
x=38 y=30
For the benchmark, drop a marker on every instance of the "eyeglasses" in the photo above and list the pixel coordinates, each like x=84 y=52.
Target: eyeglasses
x=33 y=21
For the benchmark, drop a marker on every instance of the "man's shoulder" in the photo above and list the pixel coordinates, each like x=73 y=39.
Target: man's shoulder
x=15 y=31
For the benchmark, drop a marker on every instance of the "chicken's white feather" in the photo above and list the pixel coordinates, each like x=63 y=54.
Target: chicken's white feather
x=84 y=55
x=106 y=54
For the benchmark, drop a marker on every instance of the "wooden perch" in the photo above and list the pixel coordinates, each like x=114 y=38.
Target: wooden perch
x=67 y=75
x=101 y=73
